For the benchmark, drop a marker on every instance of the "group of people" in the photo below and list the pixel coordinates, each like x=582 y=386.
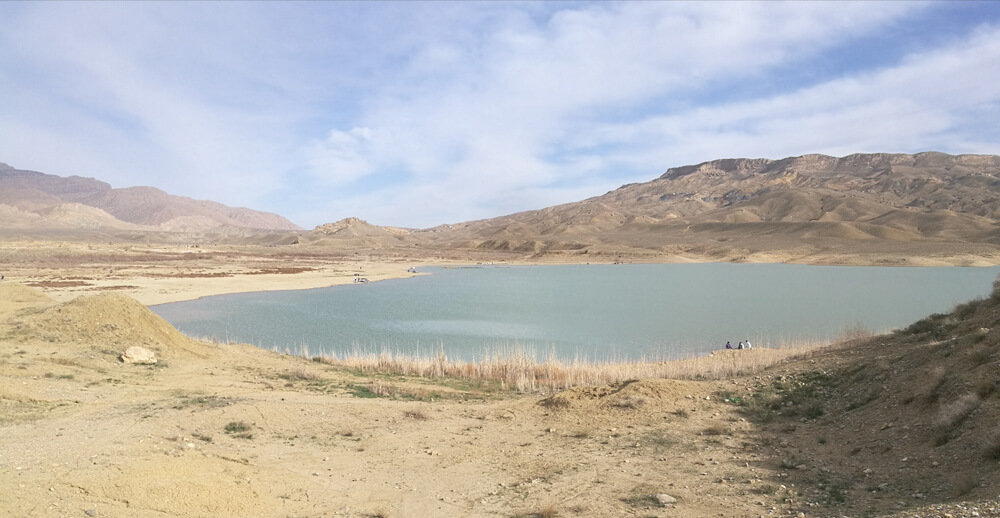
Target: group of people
x=742 y=345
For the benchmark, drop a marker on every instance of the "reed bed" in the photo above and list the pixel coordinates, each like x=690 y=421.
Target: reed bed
x=519 y=369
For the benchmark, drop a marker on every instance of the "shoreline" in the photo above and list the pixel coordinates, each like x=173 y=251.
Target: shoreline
x=181 y=290
x=171 y=288
x=160 y=273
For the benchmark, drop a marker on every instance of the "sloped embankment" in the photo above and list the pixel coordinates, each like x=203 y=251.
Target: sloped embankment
x=903 y=423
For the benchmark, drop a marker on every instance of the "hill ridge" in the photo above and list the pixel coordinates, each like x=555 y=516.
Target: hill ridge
x=37 y=193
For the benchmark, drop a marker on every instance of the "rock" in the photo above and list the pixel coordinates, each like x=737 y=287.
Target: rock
x=139 y=356
x=90 y=512
x=665 y=499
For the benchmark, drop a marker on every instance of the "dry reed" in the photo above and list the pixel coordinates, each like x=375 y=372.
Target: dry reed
x=520 y=370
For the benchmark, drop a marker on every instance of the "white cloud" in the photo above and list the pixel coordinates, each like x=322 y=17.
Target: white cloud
x=341 y=156
x=415 y=114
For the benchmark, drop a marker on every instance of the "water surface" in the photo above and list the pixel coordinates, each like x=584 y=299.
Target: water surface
x=593 y=311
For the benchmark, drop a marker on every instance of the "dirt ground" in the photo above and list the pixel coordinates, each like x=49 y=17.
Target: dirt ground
x=902 y=426
x=237 y=431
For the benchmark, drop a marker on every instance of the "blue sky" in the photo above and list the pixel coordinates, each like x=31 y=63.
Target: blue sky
x=417 y=114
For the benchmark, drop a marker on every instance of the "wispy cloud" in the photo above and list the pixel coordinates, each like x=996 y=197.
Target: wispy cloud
x=416 y=114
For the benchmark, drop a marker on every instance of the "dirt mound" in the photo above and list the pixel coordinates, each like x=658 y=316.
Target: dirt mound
x=628 y=394
x=110 y=321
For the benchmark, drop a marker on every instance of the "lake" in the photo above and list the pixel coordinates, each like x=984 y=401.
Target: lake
x=630 y=311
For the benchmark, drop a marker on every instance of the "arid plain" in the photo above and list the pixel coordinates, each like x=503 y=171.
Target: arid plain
x=899 y=425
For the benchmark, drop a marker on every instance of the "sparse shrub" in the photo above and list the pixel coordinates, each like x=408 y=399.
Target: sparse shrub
x=237 y=427
x=642 y=500
x=985 y=387
x=992 y=444
x=981 y=354
x=555 y=402
x=415 y=414
x=951 y=415
x=836 y=495
x=857 y=331
x=813 y=411
x=659 y=440
x=963 y=483
x=715 y=430
x=201 y=401
x=680 y=412
x=791 y=463
x=867 y=397
x=299 y=375
x=765 y=489
x=935 y=380
x=547 y=511
x=629 y=401
x=362 y=391
x=995 y=294
x=967 y=309
x=937 y=325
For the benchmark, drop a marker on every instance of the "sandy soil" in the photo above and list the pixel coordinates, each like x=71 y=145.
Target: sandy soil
x=161 y=274
x=237 y=431
x=233 y=430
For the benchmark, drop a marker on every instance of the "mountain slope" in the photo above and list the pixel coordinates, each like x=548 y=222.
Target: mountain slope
x=927 y=197
x=129 y=208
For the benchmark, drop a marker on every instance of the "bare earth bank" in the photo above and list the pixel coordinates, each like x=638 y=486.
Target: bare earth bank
x=892 y=426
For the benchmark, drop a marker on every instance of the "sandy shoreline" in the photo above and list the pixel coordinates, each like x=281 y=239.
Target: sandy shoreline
x=161 y=273
x=176 y=286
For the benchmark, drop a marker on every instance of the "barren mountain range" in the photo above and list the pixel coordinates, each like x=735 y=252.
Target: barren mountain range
x=730 y=209
x=30 y=199
x=928 y=196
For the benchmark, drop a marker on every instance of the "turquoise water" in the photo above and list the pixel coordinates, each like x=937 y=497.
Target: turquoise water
x=594 y=311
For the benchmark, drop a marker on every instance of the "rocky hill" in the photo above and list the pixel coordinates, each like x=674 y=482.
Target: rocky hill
x=359 y=233
x=927 y=197
x=37 y=200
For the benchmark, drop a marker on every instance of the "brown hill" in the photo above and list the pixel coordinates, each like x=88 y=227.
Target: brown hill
x=74 y=200
x=927 y=197
x=358 y=233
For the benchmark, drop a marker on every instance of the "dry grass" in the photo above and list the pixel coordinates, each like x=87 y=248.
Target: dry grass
x=299 y=375
x=520 y=370
x=952 y=414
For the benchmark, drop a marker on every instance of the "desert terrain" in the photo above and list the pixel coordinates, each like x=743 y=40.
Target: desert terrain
x=897 y=425
x=901 y=425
